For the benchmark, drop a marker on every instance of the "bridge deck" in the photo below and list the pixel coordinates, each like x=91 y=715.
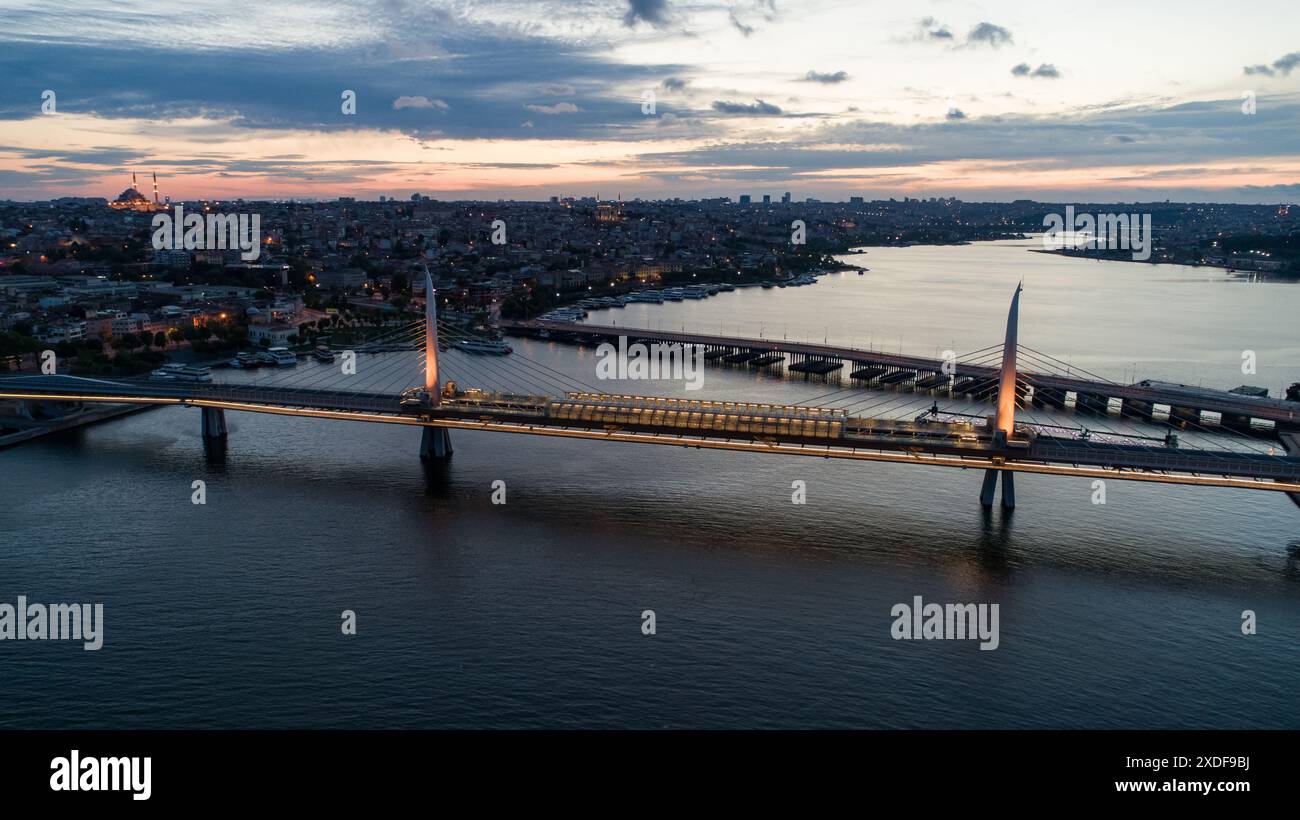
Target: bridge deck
x=714 y=424
x=1276 y=410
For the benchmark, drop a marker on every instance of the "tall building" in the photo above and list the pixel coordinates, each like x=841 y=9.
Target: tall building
x=767 y=199
x=744 y=199
x=785 y=198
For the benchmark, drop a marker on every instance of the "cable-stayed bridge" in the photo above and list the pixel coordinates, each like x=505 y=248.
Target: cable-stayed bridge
x=413 y=385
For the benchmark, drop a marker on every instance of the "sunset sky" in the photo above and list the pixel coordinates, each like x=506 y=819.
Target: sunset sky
x=516 y=99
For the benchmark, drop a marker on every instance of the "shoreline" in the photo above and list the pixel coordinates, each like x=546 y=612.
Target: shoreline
x=35 y=429
x=1189 y=264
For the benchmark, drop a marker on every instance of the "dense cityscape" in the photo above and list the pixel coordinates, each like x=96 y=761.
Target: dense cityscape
x=81 y=276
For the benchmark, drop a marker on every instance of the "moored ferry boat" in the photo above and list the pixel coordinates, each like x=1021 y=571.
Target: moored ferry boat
x=491 y=347
x=282 y=357
x=323 y=354
x=244 y=361
x=175 y=372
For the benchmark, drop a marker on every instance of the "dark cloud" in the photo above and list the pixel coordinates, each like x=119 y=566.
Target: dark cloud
x=110 y=156
x=1286 y=63
x=829 y=79
x=674 y=83
x=1044 y=70
x=758 y=107
x=988 y=34
x=1155 y=137
x=1282 y=65
x=955 y=114
x=739 y=26
x=654 y=12
x=478 y=91
x=930 y=29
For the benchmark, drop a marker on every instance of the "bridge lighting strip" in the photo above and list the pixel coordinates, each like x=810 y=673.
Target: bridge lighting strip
x=817 y=451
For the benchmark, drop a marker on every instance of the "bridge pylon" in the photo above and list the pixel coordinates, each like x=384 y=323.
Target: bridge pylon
x=1004 y=421
x=435 y=442
x=430 y=337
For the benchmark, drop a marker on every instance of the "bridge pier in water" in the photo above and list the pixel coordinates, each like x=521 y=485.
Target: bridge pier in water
x=435 y=444
x=990 y=488
x=214 y=423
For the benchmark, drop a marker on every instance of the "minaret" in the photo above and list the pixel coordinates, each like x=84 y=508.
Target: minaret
x=1005 y=420
x=155 y=187
x=133 y=185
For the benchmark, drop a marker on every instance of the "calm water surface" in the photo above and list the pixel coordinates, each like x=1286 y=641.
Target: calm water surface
x=769 y=614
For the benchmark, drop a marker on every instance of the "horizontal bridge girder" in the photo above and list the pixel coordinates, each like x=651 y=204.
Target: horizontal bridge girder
x=991 y=461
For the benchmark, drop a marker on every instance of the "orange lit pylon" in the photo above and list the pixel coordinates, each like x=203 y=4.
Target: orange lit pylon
x=1005 y=420
x=430 y=336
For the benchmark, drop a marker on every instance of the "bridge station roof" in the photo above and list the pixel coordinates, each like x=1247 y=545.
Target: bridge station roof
x=708 y=406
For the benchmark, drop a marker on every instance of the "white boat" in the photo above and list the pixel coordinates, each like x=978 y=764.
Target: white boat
x=281 y=357
x=175 y=372
x=485 y=346
x=562 y=316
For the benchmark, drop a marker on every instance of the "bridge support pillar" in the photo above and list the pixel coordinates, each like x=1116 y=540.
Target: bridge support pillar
x=990 y=489
x=1184 y=415
x=1235 y=422
x=1136 y=409
x=214 y=422
x=1048 y=397
x=1091 y=403
x=435 y=444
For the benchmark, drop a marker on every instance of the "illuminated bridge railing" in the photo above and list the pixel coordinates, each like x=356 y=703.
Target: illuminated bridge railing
x=790 y=410
x=701 y=416
x=128 y=389
x=1251 y=464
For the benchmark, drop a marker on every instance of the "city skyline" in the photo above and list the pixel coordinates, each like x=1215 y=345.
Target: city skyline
x=518 y=101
